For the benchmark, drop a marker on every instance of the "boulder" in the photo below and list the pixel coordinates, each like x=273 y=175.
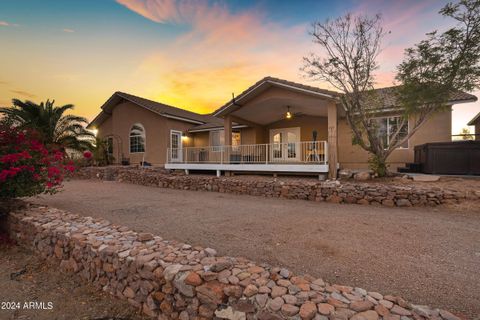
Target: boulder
x=229 y=313
x=345 y=174
x=362 y=176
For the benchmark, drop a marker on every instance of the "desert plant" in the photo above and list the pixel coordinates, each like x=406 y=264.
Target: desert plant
x=55 y=128
x=27 y=167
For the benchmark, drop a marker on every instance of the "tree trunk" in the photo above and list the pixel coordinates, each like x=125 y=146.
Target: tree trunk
x=378 y=163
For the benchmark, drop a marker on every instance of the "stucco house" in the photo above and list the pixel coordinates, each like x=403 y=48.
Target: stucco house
x=273 y=126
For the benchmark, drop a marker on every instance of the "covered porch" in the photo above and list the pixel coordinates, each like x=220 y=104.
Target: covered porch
x=274 y=126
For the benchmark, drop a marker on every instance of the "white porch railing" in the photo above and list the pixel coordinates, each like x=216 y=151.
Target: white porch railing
x=306 y=152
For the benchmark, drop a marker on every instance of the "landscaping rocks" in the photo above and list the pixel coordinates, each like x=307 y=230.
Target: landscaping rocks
x=171 y=280
x=357 y=192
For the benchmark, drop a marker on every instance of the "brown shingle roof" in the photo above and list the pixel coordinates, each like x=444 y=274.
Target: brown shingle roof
x=387 y=94
x=156 y=107
x=208 y=121
x=472 y=122
x=388 y=97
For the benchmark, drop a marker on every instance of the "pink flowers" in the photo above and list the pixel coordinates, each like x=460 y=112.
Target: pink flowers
x=27 y=167
x=15 y=157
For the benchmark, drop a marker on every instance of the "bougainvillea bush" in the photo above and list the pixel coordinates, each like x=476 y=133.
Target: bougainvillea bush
x=27 y=167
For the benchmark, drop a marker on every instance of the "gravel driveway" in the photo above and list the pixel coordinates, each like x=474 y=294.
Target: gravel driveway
x=428 y=256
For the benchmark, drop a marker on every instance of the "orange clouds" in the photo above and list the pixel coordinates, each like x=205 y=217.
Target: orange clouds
x=23 y=93
x=222 y=52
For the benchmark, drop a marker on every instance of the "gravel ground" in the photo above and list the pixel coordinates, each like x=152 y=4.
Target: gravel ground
x=24 y=277
x=428 y=256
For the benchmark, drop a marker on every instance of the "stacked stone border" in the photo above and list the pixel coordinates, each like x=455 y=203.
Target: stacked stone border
x=172 y=280
x=331 y=191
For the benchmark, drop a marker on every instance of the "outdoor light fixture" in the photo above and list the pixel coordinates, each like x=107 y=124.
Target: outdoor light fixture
x=288 y=115
x=184 y=136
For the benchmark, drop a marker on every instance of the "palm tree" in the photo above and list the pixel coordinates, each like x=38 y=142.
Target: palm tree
x=55 y=128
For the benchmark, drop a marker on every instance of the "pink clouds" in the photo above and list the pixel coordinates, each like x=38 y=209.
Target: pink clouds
x=7 y=24
x=163 y=11
x=222 y=52
x=406 y=23
x=67 y=30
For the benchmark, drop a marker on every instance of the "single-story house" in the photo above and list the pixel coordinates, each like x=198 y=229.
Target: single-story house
x=273 y=126
x=475 y=122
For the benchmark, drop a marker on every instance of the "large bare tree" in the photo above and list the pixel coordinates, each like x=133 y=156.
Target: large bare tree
x=431 y=72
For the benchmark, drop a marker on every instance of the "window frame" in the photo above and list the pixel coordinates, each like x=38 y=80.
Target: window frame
x=180 y=145
x=144 y=139
x=387 y=118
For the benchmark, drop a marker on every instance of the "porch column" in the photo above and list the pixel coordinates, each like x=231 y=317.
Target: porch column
x=332 y=141
x=227 y=126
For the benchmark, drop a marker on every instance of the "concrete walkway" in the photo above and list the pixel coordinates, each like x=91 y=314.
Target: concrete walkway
x=430 y=256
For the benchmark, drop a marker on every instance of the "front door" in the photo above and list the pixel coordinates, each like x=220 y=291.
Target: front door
x=176 y=151
x=285 y=144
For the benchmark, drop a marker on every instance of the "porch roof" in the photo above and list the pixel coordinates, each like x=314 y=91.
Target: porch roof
x=269 y=82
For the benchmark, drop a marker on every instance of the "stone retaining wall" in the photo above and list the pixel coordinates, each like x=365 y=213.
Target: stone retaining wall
x=331 y=191
x=171 y=280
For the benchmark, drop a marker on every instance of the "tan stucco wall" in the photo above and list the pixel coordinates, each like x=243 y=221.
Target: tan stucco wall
x=200 y=139
x=157 y=130
x=436 y=129
x=306 y=123
x=261 y=134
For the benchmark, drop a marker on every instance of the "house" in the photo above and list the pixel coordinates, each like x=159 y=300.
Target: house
x=475 y=122
x=273 y=126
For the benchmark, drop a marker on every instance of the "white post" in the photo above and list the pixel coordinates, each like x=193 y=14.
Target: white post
x=186 y=172
x=266 y=154
x=219 y=173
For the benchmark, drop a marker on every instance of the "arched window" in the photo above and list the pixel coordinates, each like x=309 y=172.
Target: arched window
x=137 y=138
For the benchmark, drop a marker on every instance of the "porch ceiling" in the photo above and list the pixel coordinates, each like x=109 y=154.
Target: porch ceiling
x=273 y=109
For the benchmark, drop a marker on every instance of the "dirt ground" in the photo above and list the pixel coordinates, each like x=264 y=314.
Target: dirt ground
x=427 y=255
x=25 y=278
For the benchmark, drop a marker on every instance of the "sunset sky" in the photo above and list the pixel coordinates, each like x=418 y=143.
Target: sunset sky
x=190 y=54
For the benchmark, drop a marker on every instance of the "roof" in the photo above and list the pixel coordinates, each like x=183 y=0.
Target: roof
x=475 y=119
x=272 y=81
x=206 y=122
x=214 y=126
x=388 y=97
x=156 y=107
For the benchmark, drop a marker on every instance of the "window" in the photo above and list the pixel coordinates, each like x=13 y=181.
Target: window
x=217 y=139
x=137 y=138
x=387 y=128
x=235 y=141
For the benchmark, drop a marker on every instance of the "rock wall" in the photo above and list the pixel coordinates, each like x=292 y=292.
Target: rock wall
x=171 y=280
x=331 y=191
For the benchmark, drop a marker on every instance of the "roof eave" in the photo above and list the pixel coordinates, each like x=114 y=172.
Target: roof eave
x=217 y=128
x=223 y=110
